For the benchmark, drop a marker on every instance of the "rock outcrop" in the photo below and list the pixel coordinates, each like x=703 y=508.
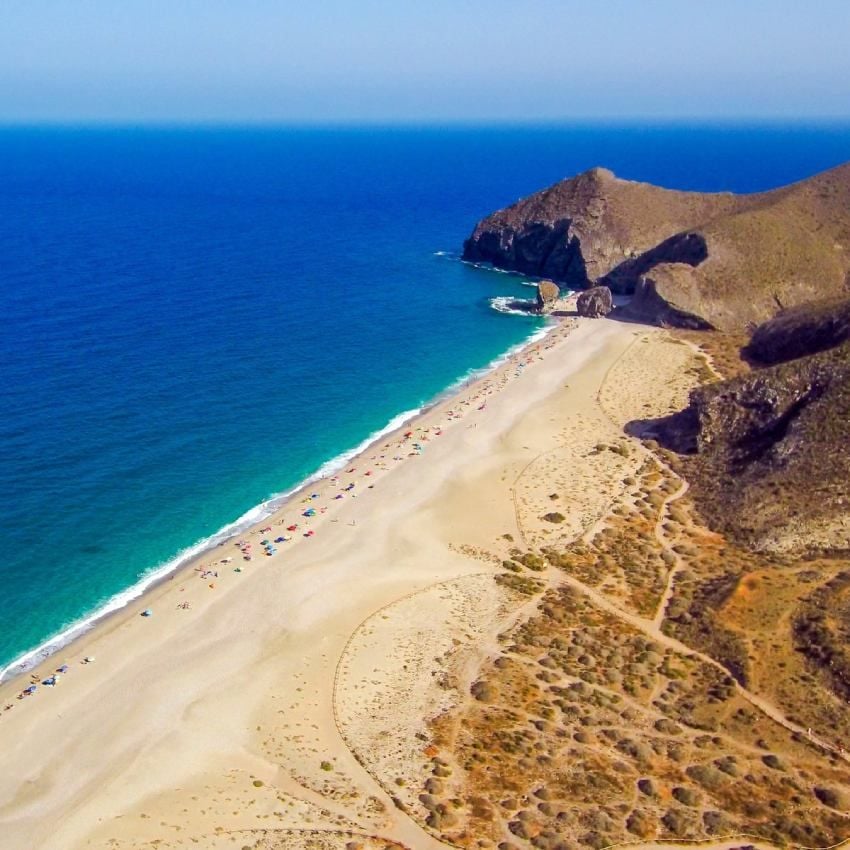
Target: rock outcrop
x=694 y=259
x=803 y=330
x=582 y=229
x=547 y=296
x=595 y=302
x=770 y=462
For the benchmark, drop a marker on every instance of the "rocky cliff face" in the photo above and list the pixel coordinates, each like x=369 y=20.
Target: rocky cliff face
x=693 y=259
x=584 y=228
x=771 y=463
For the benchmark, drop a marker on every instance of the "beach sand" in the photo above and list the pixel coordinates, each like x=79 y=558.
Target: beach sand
x=287 y=706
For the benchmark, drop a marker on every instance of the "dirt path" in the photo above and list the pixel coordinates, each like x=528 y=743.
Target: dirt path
x=652 y=628
x=676 y=567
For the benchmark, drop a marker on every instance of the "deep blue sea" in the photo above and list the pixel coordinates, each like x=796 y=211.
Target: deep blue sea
x=195 y=320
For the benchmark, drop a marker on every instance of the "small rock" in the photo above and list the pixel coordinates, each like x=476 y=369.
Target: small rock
x=547 y=295
x=595 y=302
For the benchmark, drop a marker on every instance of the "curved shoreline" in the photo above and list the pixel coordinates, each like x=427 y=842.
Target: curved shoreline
x=153 y=577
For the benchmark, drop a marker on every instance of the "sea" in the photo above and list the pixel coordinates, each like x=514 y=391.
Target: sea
x=194 y=321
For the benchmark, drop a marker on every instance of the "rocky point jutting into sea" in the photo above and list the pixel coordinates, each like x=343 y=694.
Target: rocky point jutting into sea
x=771 y=463
x=692 y=259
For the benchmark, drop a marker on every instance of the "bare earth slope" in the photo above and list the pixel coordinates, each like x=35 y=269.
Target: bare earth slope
x=771 y=464
x=694 y=259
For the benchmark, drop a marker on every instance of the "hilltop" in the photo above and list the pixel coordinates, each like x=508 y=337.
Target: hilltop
x=692 y=259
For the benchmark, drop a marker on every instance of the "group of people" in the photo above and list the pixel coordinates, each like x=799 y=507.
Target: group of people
x=51 y=680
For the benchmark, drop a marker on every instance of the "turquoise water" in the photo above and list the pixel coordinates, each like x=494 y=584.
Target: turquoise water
x=197 y=320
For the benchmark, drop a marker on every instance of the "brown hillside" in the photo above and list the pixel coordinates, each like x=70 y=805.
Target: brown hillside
x=771 y=465
x=694 y=259
x=581 y=229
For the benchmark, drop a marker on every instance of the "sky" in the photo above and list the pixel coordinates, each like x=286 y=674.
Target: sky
x=330 y=61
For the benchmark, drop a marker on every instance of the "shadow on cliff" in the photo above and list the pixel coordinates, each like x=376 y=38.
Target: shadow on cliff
x=676 y=432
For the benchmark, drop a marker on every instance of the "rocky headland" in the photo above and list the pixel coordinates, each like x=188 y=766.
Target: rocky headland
x=691 y=259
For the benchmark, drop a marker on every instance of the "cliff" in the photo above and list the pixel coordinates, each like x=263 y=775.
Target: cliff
x=692 y=259
x=769 y=459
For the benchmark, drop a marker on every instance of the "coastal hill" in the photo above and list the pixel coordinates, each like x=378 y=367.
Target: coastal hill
x=693 y=259
x=768 y=463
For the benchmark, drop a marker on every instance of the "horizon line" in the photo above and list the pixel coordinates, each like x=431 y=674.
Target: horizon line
x=424 y=123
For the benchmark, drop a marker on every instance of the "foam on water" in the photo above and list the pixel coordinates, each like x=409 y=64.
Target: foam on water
x=71 y=632
x=476 y=374
x=33 y=657
x=528 y=279
x=505 y=304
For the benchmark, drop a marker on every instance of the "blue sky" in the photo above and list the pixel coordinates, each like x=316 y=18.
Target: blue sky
x=445 y=60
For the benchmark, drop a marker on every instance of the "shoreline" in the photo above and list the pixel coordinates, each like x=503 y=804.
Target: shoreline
x=152 y=579
x=236 y=698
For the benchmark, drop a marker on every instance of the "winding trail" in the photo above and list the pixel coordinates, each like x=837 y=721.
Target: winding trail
x=677 y=565
x=652 y=628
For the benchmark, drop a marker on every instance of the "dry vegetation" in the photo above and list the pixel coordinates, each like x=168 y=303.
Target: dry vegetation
x=584 y=732
x=626 y=556
x=595 y=723
x=722 y=349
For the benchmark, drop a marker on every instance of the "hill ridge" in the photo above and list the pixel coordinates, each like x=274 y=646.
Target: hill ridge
x=698 y=259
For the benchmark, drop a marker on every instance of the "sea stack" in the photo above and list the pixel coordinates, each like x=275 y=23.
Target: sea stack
x=547 y=296
x=594 y=303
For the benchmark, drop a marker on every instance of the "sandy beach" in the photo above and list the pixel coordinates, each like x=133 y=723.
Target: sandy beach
x=242 y=712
